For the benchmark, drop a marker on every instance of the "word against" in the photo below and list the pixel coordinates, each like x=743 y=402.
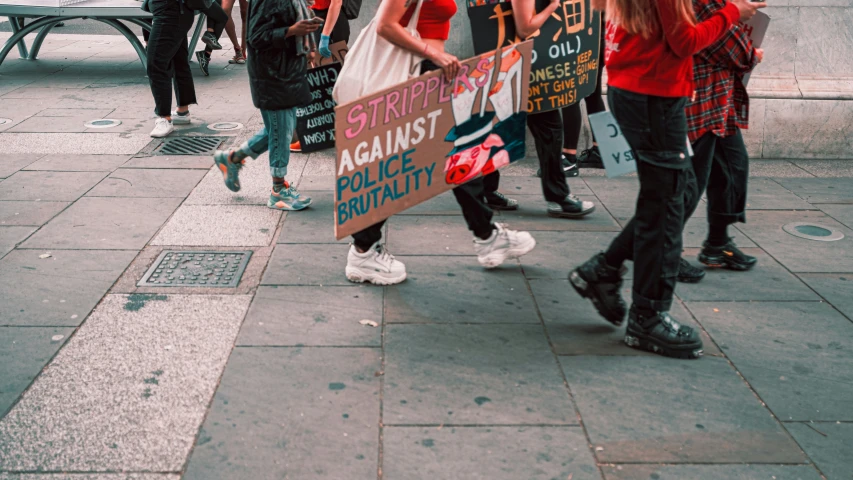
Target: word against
x=616 y=154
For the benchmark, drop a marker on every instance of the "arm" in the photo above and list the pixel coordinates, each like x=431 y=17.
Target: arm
x=527 y=21
x=686 y=40
x=734 y=51
x=264 y=32
x=332 y=16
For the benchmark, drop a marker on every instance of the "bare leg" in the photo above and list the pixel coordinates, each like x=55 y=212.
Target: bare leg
x=230 y=29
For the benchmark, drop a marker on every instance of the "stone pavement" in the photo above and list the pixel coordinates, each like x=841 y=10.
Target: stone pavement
x=470 y=374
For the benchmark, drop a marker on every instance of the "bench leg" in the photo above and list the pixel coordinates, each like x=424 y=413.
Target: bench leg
x=16 y=27
x=23 y=32
x=122 y=28
x=199 y=27
x=36 y=46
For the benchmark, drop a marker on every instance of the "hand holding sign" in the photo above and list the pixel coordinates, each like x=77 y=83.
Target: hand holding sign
x=747 y=8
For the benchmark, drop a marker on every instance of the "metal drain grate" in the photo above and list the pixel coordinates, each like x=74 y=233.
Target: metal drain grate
x=189 y=146
x=174 y=268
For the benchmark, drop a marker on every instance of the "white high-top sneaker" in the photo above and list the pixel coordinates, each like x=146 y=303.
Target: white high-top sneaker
x=375 y=266
x=162 y=128
x=504 y=244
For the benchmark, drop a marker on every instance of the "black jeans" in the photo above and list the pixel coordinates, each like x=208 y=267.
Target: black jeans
x=168 y=53
x=547 y=131
x=722 y=165
x=216 y=19
x=341 y=30
x=656 y=129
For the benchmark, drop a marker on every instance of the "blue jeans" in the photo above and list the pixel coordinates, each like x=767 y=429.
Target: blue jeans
x=275 y=137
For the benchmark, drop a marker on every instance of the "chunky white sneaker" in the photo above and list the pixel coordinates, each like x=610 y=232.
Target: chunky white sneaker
x=178 y=119
x=375 y=266
x=504 y=244
x=162 y=128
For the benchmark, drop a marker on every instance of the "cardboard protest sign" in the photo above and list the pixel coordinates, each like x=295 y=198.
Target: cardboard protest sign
x=755 y=28
x=404 y=145
x=565 y=50
x=315 y=122
x=616 y=154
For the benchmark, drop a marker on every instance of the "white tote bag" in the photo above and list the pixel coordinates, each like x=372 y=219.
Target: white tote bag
x=374 y=64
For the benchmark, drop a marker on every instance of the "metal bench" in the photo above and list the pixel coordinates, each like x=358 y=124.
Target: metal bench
x=110 y=12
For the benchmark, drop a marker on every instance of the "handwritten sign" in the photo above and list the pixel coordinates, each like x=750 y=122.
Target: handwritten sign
x=616 y=154
x=756 y=29
x=565 y=49
x=315 y=122
x=404 y=145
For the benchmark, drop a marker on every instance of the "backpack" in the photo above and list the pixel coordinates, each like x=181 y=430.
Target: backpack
x=351 y=9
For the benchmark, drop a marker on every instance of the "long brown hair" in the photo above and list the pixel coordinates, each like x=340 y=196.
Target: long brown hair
x=640 y=17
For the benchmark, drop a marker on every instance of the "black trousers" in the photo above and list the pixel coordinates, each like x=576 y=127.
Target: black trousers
x=340 y=32
x=168 y=53
x=547 y=131
x=656 y=129
x=216 y=19
x=721 y=165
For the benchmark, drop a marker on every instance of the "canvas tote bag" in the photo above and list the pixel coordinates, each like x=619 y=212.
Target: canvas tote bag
x=374 y=64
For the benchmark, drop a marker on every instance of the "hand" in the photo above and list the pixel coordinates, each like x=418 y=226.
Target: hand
x=747 y=9
x=323 y=48
x=447 y=62
x=302 y=28
x=759 y=54
x=554 y=5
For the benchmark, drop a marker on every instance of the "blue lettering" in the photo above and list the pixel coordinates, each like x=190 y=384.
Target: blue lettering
x=357 y=176
x=388 y=174
x=407 y=161
x=342 y=213
x=367 y=182
x=429 y=171
x=343 y=183
x=387 y=194
x=353 y=207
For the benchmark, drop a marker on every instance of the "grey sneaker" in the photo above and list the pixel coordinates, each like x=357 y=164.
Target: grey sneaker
x=570 y=207
x=503 y=245
x=288 y=199
x=375 y=266
x=230 y=170
x=203 y=62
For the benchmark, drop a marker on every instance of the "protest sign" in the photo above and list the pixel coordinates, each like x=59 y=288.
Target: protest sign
x=408 y=143
x=315 y=122
x=755 y=28
x=616 y=154
x=565 y=50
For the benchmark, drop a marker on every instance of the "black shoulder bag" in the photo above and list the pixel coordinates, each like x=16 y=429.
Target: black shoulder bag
x=351 y=9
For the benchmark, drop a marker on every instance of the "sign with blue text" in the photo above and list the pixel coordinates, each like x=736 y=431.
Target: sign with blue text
x=617 y=155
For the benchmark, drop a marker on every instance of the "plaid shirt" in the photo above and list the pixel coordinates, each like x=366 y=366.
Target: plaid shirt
x=721 y=104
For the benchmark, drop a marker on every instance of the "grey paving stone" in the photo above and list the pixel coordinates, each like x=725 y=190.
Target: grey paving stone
x=557 y=253
x=320 y=183
x=91 y=113
x=835 y=288
x=827 y=444
x=319 y=419
x=23 y=353
x=444 y=204
x=430 y=235
x=316 y=224
x=51 y=124
x=800 y=254
x=794 y=354
x=768 y=280
x=710 y=472
x=534 y=217
x=661 y=410
x=220 y=225
x=767 y=194
x=512 y=185
x=88 y=476
x=255 y=182
x=820 y=190
x=49 y=186
x=60 y=290
x=619 y=195
x=11 y=163
x=472 y=374
x=826 y=168
x=74 y=143
x=313 y=316
x=487 y=453
x=696 y=232
x=129 y=390
x=140 y=183
x=301 y=264
x=29 y=213
x=105 y=224
x=842 y=213
x=177 y=161
x=79 y=163
x=11 y=236
x=445 y=290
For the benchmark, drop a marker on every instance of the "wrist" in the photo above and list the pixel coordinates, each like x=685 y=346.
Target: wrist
x=324 y=37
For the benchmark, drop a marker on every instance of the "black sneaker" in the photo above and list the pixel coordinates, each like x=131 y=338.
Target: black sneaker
x=210 y=40
x=660 y=334
x=203 y=62
x=600 y=283
x=688 y=273
x=570 y=207
x=590 y=158
x=498 y=201
x=726 y=256
x=570 y=165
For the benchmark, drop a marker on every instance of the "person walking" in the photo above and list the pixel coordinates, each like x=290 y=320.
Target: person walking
x=168 y=61
x=280 y=37
x=650 y=48
x=368 y=260
x=217 y=21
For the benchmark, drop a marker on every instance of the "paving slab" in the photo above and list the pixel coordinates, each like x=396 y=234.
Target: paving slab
x=255 y=182
x=619 y=196
x=827 y=168
x=140 y=183
x=835 y=288
x=49 y=186
x=796 y=355
x=133 y=364
x=534 y=217
x=512 y=185
x=444 y=204
x=79 y=163
x=841 y=213
x=827 y=444
x=11 y=163
x=767 y=281
x=696 y=232
x=92 y=113
x=74 y=143
x=445 y=290
x=487 y=453
x=711 y=472
x=11 y=236
x=88 y=476
x=23 y=353
x=767 y=194
x=820 y=190
x=23 y=213
x=472 y=375
x=315 y=224
x=318 y=419
x=220 y=225
x=800 y=254
x=301 y=264
x=97 y=224
x=165 y=161
x=430 y=235
x=679 y=411
x=319 y=183
x=557 y=253
x=313 y=316
x=52 y=124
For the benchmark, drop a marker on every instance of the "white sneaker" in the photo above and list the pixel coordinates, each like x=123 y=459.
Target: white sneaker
x=162 y=128
x=502 y=245
x=376 y=266
x=181 y=119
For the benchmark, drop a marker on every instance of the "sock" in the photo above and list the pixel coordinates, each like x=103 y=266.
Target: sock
x=488 y=236
x=718 y=235
x=614 y=258
x=237 y=156
x=183 y=114
x=277 y=184
x=571 y=157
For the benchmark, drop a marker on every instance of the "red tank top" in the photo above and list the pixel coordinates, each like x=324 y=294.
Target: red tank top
x=434 y=22
x=321 y=4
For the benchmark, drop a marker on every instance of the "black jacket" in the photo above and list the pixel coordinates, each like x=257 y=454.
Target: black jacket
x=277 y=74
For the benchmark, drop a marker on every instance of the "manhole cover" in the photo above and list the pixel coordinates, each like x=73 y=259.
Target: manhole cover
x=189 y=146
x=4 y=121
x=812 y=231
x=103 y=123
x=225 y=126
x=174 y=268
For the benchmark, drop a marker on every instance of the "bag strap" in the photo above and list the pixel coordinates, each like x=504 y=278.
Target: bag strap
x=412 y=27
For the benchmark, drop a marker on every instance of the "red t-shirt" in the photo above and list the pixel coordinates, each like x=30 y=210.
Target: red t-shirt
x=322 y=4
x=662 y=65
x=434 y=22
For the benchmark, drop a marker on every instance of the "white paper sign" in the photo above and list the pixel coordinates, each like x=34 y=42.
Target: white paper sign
x=755 y=28
x=616 y=154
